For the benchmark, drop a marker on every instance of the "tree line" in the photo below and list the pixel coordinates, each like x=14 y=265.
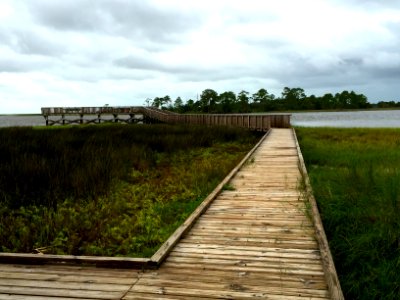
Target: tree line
x=263 y=101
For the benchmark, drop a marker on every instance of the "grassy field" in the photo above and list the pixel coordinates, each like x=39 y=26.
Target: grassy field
x=113 y=190
x=355 y=175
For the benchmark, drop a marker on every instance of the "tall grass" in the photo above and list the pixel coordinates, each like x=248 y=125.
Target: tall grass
x=355 y=175
x=108 y=190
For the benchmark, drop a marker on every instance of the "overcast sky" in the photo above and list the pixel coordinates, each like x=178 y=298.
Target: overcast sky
x=120 y=52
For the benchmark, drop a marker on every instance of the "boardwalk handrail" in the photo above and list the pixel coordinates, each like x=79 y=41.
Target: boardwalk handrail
x=261 y=121
x=90 y=110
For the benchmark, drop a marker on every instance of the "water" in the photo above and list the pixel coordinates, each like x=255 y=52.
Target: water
x=380 y=118
x=20 y=120
x=371 y=118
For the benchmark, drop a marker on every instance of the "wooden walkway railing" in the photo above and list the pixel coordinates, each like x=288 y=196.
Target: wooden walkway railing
x=257 y=240
x=136 y=114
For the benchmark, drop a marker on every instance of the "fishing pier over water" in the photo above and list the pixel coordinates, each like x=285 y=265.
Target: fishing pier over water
x=142 y=114
x=261 y=239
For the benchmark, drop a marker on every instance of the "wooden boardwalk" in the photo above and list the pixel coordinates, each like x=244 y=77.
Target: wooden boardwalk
x=255 y=241
x=145 y=114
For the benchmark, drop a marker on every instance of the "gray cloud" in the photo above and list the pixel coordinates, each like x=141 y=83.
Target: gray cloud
x=67 y=15
x=29 y=42
x=23 y=63
x=370 y=3
x=135 y=19
x=139 y=63
x=14 y=66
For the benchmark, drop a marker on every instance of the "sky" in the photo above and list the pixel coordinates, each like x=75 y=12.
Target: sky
x=122 y=52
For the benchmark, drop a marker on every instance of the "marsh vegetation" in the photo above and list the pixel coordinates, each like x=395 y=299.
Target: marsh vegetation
x=355 y=175
x=113 y=190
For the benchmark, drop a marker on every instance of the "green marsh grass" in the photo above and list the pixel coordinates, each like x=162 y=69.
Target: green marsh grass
x=355 y=176
x=114 y=190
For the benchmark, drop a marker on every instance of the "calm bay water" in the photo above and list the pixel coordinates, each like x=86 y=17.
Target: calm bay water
x=371 y=118
x=381 y=118
x=20 y=120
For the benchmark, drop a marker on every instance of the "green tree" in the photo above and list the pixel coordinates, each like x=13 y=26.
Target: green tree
x=178 y=104
x=189 y=106
x=243 y=101
x=358 y=100
x=343 y=99
x=260 y=96
x=263 y=101
x=227 y=102
x=328 y=101
x=208 y=100
x=293 y=97
x=160 y=102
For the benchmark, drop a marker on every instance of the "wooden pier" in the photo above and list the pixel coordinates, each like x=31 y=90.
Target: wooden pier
x=260 y=239
x=141 y=114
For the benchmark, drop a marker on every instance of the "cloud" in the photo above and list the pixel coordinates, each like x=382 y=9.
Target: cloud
x=85 y=52
x=139 y=62
x=31 y=42
x=132 y=19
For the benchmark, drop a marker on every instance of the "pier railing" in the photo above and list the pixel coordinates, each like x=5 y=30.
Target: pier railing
x=142 y=114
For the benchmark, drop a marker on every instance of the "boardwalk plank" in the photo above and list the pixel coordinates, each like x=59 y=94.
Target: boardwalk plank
x=60 y=292
x=234 y=286
x=257 y=242
x=248 y=278
x=31 y=297
x=220 y=292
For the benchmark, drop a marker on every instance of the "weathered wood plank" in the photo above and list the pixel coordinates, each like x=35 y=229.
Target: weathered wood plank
x=160 y=255
x=278 y=235
x=233 y=285
x=32 y=297
x=152 y=296
x=65 y=293
x=48 y=284
x=60 y=277
x=70 y=270
x=220 y=292
x=245 y=223
x=120 y=262
x=248 y=278
x=259 y=277
x=244 y=242
x=262 y=250
x=245 y=230
x=227 y=260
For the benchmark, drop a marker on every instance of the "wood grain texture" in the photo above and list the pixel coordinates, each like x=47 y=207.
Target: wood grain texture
x=64 y=282
x=254 y=241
